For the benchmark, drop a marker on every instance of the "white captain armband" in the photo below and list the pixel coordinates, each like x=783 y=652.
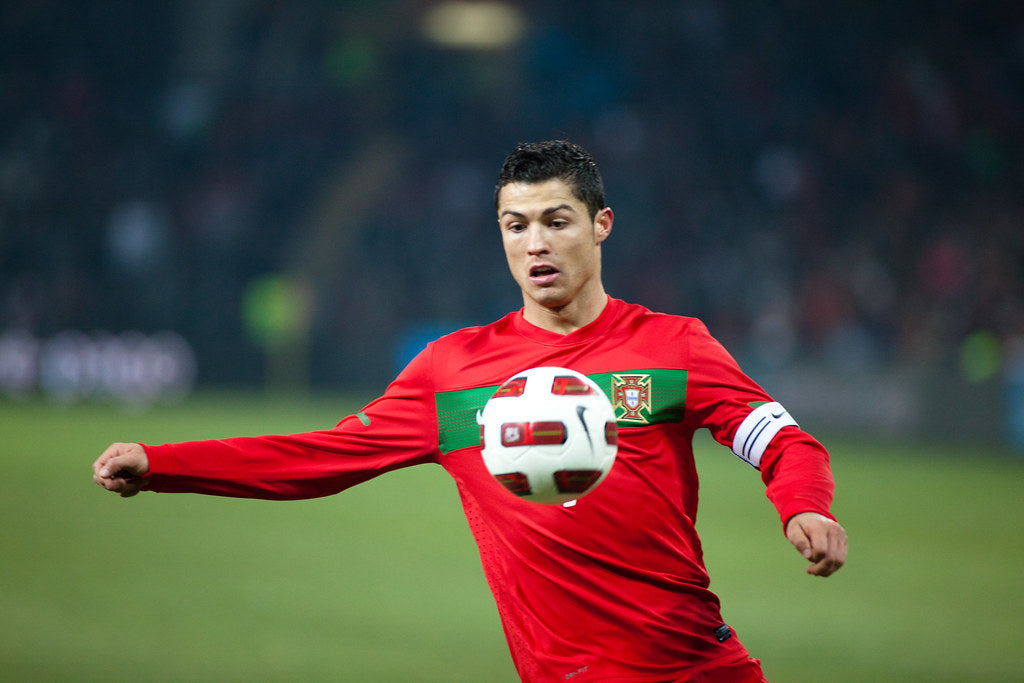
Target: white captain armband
x=758 y=430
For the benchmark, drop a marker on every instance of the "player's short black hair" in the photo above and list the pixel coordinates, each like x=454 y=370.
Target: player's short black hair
x=537 y=162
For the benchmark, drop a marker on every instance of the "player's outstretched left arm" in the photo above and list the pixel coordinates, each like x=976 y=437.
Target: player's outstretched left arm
x=820 y=540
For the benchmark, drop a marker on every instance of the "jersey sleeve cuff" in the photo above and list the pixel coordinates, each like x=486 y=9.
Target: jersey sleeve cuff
x=788 y=514
x=162 y=460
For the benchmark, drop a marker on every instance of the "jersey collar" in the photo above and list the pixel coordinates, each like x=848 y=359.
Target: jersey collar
x=594 y=329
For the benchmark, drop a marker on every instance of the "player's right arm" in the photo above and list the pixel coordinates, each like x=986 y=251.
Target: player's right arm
x=397 y=430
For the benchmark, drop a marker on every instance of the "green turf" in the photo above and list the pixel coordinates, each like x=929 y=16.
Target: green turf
x=382 y=583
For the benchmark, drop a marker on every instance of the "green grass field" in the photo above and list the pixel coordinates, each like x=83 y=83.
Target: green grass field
x=382 y=583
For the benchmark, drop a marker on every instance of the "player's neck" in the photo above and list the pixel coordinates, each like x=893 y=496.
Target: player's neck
x=566 y=319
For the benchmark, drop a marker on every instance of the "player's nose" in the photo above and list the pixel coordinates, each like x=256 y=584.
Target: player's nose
x=536 y=242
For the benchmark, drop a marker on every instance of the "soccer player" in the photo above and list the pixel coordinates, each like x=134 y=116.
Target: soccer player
x=610 y=589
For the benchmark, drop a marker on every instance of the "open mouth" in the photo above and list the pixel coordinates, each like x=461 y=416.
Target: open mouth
x=543 y=274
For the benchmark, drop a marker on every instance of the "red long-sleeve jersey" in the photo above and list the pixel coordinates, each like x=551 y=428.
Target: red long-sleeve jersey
x=611 y=588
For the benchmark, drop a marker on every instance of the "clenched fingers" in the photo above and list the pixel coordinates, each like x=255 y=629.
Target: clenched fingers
x=822 y=541
x=120 y=469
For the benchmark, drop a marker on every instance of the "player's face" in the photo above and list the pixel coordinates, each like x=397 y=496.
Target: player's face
x=553 y=247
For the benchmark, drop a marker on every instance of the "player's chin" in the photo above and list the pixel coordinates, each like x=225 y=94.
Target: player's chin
x=549 y=296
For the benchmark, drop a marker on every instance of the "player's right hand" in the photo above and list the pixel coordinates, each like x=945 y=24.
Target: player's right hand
x=121 y=469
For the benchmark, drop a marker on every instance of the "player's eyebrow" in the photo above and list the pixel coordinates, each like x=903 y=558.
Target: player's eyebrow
x=545 y=212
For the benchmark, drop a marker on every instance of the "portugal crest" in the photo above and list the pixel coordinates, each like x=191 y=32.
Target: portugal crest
x=631 y=397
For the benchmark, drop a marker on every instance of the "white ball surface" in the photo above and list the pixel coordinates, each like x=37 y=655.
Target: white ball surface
x=549 y=435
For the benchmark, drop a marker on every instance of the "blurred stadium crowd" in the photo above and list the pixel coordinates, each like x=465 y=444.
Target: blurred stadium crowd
x=834 y=185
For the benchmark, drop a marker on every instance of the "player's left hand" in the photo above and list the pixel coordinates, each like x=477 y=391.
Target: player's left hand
x=820 y=540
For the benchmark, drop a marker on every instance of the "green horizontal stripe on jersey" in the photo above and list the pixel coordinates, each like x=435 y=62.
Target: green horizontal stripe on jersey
x=456 y=410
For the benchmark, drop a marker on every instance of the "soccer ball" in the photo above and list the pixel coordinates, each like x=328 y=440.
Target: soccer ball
x=549 y=435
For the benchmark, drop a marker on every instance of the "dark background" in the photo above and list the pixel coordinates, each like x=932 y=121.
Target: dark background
x=303 y=190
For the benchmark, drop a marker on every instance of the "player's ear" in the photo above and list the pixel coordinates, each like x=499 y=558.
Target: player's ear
x=603 y=224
